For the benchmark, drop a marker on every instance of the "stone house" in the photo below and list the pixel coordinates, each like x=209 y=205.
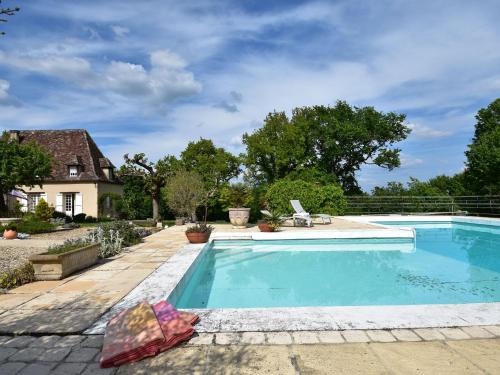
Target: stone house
x=81 y=174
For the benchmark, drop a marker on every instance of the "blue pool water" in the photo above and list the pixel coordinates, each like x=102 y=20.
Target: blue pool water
x=454 y=263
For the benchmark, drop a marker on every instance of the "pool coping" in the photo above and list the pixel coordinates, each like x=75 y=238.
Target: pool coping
x=169 y=279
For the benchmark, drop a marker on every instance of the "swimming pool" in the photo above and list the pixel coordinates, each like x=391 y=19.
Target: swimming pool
x=452 y=263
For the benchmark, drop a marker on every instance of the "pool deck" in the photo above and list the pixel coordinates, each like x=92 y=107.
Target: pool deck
x=46 y=312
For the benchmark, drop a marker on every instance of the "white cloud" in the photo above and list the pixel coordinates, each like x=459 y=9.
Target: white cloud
x=409 y=161
x=422 y=131
x=4 y=88
x=120 y=31
x=167 y=79
x=73 y=69
x=7 y=100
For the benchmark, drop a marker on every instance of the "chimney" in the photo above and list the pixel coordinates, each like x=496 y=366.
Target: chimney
x=14 y=135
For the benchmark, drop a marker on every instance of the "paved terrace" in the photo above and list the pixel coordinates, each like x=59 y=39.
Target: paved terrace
x=42 y=325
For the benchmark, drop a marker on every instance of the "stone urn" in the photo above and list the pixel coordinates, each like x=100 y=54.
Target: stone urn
x=9 y=234
x=239 y=217
x=179 y=221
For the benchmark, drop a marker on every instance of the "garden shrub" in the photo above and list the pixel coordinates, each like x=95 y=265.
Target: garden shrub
x=91 y=219
x=333 y=200
x=280 y=193
x=17 y=276
x=34 y=226
x=43 y=211
x=61 y=215
x=314 y=198
x=80 y=218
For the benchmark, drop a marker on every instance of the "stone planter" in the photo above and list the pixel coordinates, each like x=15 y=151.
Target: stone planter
x=239 y=217
x=179 y=221
x=9 y=234
x=58 y=266
x=264 y=226
x=195 y=237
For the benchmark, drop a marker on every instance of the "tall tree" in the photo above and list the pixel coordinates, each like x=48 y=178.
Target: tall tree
x=21 y=165
x=137 y=202
x=483 y=156
x=7 y=12
x=215 y=166
x=275 y=150
x=336 y=140
x=155 y=175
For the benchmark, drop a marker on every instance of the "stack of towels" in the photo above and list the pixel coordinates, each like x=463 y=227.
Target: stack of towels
x=143 y=331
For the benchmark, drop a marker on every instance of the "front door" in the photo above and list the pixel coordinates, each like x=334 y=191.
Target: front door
x=69 y=204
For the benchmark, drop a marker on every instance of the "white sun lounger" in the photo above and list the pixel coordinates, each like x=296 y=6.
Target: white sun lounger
x=301 y=214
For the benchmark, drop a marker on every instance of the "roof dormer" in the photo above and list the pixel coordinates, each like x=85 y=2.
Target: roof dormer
x=74 y=166
x=107 y=168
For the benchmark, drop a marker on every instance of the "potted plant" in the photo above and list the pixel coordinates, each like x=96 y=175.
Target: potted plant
x=63 y=260
x=270 y=223
x=10 y=232
x=199 y=233
x=234 y=197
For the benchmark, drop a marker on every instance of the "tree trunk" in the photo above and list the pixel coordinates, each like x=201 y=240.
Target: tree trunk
x=156 y=208
x=3 y=204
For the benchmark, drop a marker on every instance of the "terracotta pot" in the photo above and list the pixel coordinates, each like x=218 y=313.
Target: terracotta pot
x=9 y=234
x=239 y=217
x=179 y=221
x=265 y=227
x=194 y=237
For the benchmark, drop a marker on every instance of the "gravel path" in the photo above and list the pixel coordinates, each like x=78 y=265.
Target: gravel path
x=16 y=252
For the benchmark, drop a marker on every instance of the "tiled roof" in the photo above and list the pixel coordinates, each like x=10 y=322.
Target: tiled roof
x=70 y=147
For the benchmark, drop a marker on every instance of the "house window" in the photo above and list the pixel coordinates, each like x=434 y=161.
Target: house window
x=68 y=203
x=33 y=200
x=73 y=171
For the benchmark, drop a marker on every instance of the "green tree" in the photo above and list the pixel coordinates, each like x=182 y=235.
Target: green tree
x=137 y=202
x=155 y=175
x=21 y=165
x=450 y=185
x=483 y=156
x=275 y=150
x=184 y=193
x=215 y=166
x=335 y=140
x=393 y=188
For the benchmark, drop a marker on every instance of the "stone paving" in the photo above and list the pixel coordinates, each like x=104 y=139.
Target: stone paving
x=272 y=352
x=73 y=304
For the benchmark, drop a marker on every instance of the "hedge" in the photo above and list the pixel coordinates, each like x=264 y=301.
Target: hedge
x=328 y=199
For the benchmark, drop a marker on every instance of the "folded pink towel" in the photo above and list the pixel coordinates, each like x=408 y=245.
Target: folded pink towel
x=165 y=312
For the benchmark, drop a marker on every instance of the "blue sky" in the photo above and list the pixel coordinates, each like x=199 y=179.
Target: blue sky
x=149 y=76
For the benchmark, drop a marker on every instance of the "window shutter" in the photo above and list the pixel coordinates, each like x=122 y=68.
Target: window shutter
x=78 y=203
x=59 y=202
